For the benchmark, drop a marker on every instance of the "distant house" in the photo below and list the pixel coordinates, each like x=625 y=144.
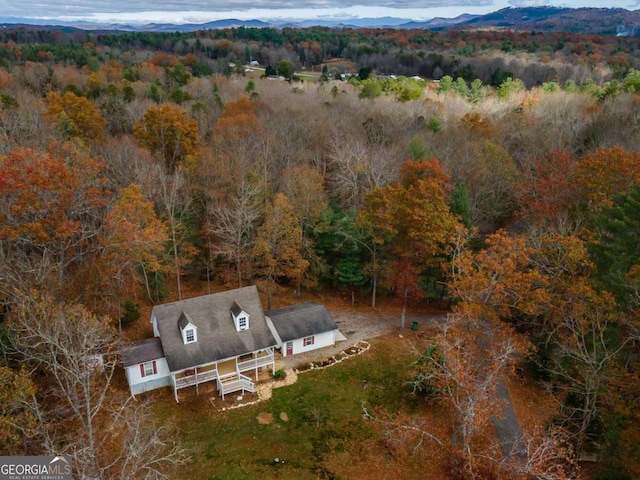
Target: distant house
x=302 y=328
x=222 y=337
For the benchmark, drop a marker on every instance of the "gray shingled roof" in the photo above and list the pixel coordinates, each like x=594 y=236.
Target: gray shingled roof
x=217 y=335
x=299 y=321
x=144 y=351
x=236 y=309
x=184 y=320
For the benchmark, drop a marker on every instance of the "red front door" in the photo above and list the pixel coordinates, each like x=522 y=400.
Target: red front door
x=289 y=348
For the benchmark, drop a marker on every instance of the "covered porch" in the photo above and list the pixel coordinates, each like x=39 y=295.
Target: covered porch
x=227 y=373
x=256 y=361
x=193 y=377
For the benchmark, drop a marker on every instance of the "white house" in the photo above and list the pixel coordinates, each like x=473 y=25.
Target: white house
x=213 y=338
x=222 y=337
x=302 y=328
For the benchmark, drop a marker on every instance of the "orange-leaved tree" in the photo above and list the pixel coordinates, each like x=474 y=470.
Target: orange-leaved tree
x=51 y=207
x=606 y=172
x=236 y=138
x=543 y=286
x=17 y=418
x=304 y=186
x=548 y=192
x=237 y=123
x=278 y=247
x=497 y=281
x=410 y=220
x=132 y=243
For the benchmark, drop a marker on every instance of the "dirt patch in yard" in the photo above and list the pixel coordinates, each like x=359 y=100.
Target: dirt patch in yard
x=265 y=418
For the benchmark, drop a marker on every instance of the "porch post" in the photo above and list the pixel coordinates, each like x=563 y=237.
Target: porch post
x=255 y=359
x=196 y=374
x=175 y=390
x=273 y=361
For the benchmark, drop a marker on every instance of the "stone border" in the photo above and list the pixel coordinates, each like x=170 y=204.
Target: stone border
x=362 y=346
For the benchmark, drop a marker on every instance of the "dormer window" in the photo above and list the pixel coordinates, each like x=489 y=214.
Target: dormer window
x=240 y=317
x=188 y=329
x=189 y=335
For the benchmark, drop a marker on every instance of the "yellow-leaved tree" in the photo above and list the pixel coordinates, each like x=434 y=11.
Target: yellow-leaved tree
x=74 y=115
x=169 y=133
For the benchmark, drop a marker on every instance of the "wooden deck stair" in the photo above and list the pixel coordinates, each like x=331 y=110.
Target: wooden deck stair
x=235 y=382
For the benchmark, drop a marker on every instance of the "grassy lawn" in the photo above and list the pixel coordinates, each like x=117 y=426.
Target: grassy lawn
x=324 y=433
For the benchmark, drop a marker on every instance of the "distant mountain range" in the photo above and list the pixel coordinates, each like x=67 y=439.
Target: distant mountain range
x=602 y=21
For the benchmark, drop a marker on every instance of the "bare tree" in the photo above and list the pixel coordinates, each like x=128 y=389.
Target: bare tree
x=80 y=412
x=468 y=374
x=356 y=168
x=234 y=227
x=583 y=352
x=175 y=200
x=542 y=455
x=24 y=124
x=349 y=162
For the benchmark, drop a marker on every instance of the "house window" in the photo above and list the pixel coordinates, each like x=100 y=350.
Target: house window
x=242 y=323
x=308 y=341
x=148 y=368
x=190 y=335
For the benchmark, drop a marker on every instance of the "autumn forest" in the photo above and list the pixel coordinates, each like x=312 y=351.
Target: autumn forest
x=492 y=173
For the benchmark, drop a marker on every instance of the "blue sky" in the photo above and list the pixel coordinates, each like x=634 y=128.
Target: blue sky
x=200 y=11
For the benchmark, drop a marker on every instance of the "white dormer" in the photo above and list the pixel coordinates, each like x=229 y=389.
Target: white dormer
x=188 y=329
x=240 y=317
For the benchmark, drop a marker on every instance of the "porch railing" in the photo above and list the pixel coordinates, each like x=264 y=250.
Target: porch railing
x=255 y=362
x=196 y=378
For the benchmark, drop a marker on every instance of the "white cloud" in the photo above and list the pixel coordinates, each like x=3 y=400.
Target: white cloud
x=528 y=3
x=120 y=8
x=200 y=11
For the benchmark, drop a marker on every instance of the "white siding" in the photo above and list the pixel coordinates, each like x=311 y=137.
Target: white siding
x=319 y=341
x=135 y=378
